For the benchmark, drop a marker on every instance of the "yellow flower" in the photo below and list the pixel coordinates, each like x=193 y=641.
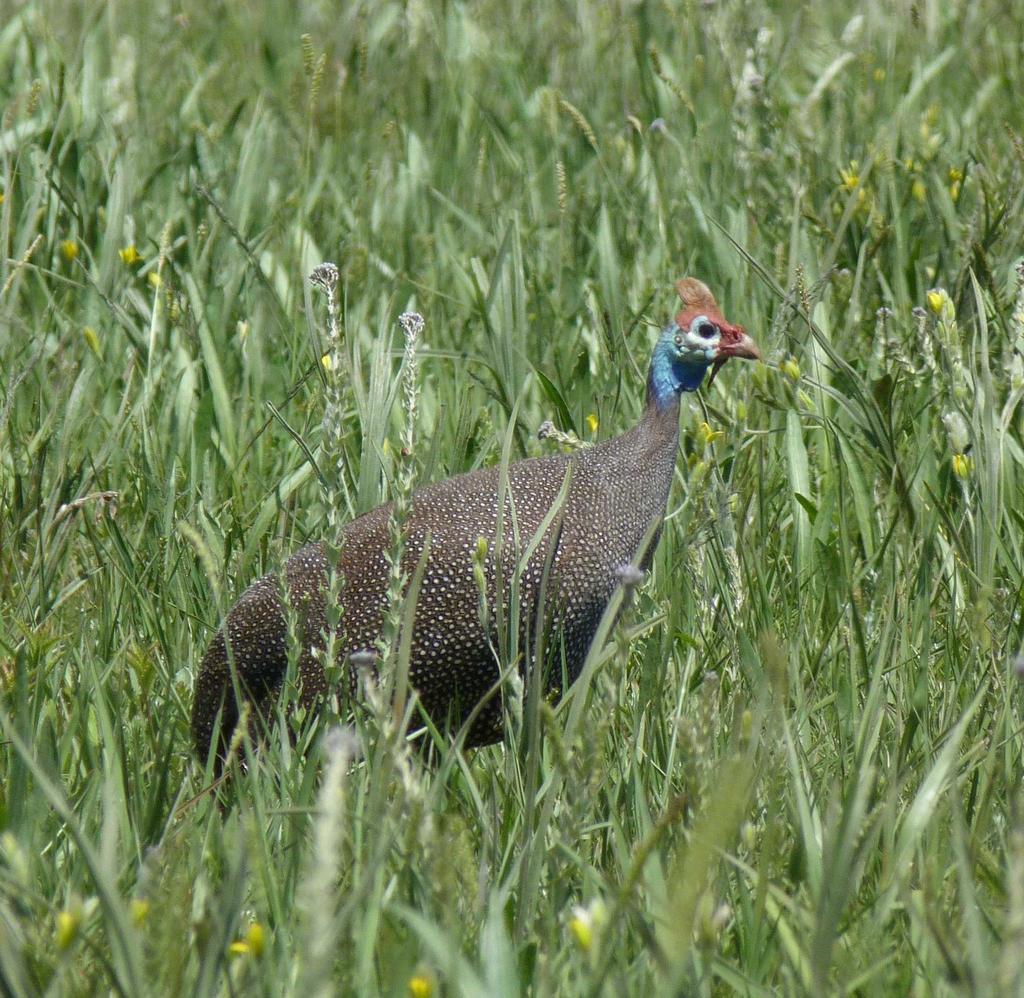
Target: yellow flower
x=254 y=937
x=917 y=190
x=592 y=423
x=791 y=369
x=586 y=923
x=937 y=299
x=582 y=933
x=139 y=909
x=129 y=255
x=154 y=279
x=326 y=361
x=69 y=249
x=850 y=176
x=68 y=924
x=879 y=74
x=962 y=465
x=92 y=338
x=708 y=435
x=420 y=986
x=251 y=944
x=956 y=178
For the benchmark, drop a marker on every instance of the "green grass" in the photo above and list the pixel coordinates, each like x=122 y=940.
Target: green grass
x=796 y=768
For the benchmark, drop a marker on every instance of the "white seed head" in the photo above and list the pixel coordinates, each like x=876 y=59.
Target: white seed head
x=412 y=324
x=630 y=576
x=959 y=436
x=325 y=276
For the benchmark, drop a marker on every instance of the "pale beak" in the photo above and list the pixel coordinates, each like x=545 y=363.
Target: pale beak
x=742 y=346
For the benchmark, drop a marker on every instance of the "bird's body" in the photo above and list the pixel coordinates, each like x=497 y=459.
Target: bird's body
x=615 y=496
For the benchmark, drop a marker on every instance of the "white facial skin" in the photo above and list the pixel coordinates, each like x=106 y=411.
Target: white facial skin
x=699 y=343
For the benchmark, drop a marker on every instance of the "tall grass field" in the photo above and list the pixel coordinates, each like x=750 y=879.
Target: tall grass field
x=795 y=765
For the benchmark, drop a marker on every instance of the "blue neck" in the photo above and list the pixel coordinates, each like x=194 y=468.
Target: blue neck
x=669 y=377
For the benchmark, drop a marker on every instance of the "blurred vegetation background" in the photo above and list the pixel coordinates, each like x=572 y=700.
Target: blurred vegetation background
x=797 y=770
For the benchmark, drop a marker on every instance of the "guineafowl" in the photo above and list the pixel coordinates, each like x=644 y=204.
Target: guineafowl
x=615 y=497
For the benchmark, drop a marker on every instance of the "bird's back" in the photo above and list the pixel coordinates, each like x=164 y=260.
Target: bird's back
x=614 y=493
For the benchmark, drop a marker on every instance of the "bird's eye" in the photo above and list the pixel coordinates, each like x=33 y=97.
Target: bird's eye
x=707 y=330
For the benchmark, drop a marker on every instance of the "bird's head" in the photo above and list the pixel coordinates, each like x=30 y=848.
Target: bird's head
x=697 y=338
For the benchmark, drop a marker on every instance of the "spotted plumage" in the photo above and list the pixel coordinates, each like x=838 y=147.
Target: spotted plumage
x=616 y=492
